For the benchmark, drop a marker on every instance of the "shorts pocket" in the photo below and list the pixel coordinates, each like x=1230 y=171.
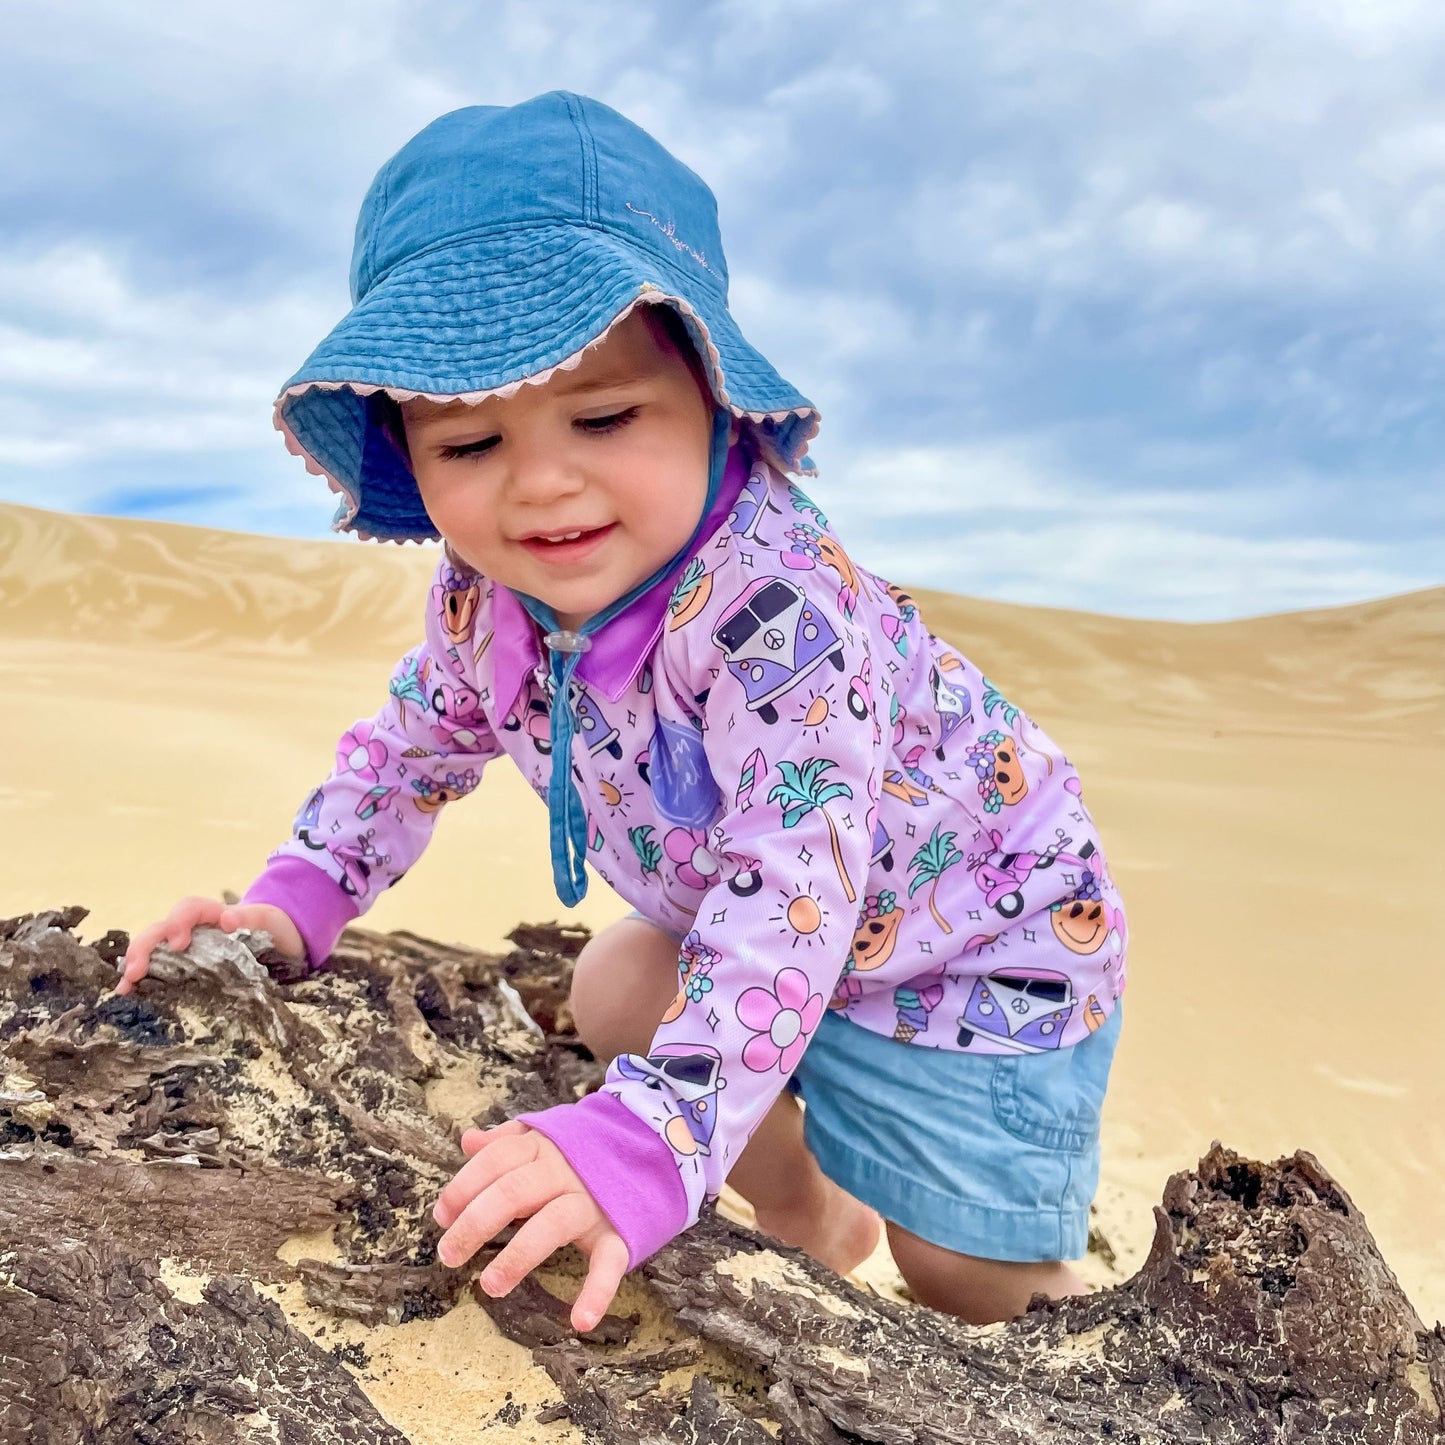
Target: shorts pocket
x=1054 y=1100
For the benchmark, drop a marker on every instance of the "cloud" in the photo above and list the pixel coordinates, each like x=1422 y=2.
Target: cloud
x=1008 y=519
x=1181 y=259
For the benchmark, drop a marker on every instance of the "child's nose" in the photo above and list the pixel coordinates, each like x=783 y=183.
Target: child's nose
x=537 y=477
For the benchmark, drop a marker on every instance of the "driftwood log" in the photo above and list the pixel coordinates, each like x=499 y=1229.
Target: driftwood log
x=233 y=1103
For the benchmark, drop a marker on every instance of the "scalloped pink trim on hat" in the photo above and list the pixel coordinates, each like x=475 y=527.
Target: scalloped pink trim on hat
x=651 y=296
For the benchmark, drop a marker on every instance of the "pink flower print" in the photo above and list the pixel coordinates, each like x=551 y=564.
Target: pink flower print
x=361 y=752
x=687 y=847
x=782 y=1021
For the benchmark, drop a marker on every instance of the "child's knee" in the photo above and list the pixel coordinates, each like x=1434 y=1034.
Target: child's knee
x=622 y=983
x=978 y=1291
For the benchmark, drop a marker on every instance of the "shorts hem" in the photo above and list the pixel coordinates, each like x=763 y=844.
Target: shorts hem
x=1018 y=1236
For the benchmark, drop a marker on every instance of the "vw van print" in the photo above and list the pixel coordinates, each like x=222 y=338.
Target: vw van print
x=691 y=1071
x=596 y=731
x=536 y=721
x=1024 y=1009
x=773 y=637
x=307 y=822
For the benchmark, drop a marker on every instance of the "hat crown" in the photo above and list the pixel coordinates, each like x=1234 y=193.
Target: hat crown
x=557 y=160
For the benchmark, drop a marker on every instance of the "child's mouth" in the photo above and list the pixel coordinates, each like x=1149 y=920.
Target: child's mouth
x=568 y=546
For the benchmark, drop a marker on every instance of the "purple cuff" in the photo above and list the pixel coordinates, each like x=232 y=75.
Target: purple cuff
x=627 y=1168
x=318 y=905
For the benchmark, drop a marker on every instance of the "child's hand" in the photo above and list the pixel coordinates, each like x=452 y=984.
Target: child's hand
x=514 y=1172
x=175 y=930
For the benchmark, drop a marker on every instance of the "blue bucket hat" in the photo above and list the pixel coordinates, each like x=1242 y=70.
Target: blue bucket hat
x=491 y=250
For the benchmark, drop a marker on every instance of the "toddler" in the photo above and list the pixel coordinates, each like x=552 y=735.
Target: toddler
x=860 y=873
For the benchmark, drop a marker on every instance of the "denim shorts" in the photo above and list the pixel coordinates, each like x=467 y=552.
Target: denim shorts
x=993 y=1155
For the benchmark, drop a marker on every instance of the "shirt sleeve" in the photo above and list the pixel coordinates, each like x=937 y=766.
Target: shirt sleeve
x=776 y=685
x=371 y=819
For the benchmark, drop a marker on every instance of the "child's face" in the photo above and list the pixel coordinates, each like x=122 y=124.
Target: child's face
x=615 y=451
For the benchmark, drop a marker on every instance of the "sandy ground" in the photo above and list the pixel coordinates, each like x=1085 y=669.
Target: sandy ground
x=1265 y=790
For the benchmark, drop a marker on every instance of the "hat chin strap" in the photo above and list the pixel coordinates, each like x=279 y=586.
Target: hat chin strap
x=568 y=818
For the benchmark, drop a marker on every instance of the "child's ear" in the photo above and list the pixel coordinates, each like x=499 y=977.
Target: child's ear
x=388 y=414
x=735 y=430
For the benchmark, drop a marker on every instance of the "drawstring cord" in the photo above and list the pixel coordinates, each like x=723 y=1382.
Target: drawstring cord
x=567 y=831
x=568 y=818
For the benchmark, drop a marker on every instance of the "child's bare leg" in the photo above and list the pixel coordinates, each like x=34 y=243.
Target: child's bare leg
x=623 y=982
x=980 y=1291
x=795 y=1201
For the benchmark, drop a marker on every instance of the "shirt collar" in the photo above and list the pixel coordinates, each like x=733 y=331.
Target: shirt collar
x=621 y=646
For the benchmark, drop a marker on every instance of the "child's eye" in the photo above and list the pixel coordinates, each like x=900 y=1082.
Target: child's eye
x=613 y=421
x=467 y=449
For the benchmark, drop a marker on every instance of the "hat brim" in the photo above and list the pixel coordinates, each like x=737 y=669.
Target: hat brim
x=485 y=316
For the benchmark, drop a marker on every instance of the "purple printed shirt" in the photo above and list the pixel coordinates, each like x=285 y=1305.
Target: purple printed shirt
x=782 y=766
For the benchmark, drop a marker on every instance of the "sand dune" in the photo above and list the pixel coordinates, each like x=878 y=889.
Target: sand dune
x=1267 y=790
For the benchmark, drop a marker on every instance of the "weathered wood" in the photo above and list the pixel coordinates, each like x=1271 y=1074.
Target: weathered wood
x=95 y=1348
x=1263 y=1313
x=378 y=1294
x=228 y=1106
x=229 y=1220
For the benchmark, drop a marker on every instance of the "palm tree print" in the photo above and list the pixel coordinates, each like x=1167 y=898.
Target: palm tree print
x=929 y=865
x=407 y=686
x=649 y=852
x=993 y=698
x=803 y=503
x=804 y=789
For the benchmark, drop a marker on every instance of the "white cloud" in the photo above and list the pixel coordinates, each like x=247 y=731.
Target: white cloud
x=94 y=364
x=1010 y=519
x=1135 y=254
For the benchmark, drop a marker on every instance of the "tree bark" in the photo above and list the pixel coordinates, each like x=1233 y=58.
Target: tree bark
x=234 y=1102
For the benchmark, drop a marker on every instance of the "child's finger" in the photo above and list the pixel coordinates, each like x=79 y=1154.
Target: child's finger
x=606 y=1265
x=187 y=916
x=518 y=1194
x=135 y=970
x=555 y=1224
x=507 y=1156
x=138 y=957
x=475 y=1140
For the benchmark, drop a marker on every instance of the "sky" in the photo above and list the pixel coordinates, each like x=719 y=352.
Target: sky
x=1134 y=308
